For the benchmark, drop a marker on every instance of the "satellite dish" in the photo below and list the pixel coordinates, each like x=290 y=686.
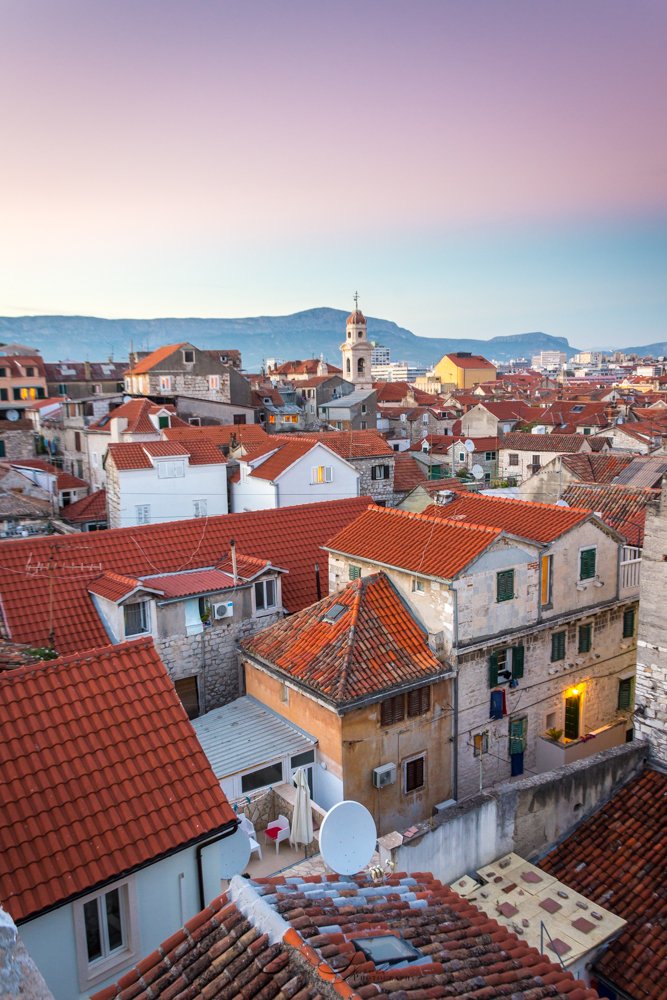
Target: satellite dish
x=12 y=414
x=234 y=854
x=477 y=471
x=562 y=503
x=469 y=445
x=347 y=837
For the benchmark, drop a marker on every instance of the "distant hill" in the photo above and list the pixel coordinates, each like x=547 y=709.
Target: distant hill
x=658 y=350
x=302 y=335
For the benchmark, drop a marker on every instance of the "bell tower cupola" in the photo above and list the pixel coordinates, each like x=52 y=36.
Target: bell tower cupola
x=356 y=349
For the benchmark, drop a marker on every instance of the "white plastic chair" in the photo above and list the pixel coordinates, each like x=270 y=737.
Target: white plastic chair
x=248 y=828
x=281 y=828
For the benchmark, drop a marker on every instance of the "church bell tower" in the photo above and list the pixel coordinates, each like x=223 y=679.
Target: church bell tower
x=356 y=350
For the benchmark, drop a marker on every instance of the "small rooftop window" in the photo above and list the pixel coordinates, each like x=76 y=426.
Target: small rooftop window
x=334 y=613
x=386 y=949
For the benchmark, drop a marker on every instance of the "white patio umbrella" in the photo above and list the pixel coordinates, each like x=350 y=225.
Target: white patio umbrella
x=302 y=820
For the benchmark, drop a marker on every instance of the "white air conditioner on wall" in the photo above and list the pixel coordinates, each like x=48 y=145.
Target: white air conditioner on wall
x=384 y=775
x=225 y=610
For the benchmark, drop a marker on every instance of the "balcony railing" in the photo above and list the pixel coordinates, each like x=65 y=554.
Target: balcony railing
x=631 y=560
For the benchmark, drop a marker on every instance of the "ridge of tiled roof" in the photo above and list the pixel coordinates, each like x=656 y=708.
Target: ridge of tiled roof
x=155 y=357
x=285 y=455
x=540 y=522
x=351 y=444
x=219 y=434
x=521 y=441
x=469 y=361
x=419 y=543
x=136 y=412
x=373 y=646
x=623 y=508
x=64 y=567
x=128 y=455
x=90 y=508
x=617 y=858
x=114 y=586
x=408 y=473
x=84 y=800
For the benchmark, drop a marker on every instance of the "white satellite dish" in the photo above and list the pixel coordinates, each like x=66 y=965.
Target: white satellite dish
x=12 y=414
x=469 y=445
x=477 y=471
x=347 y=837
x=234 y=854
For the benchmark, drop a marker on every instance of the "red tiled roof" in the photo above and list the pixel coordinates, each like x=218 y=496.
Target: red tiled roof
x=220 y=434
x=184 y=584
x=511 y=409
x=414 y=542
x=392 y=392
x=101 y=772
x=281 y=460
x=623 y=508
x=596 y=468
x=221 y=953
x=618 y=858
x=137 y=455
x=473 y=361
x=408 y=473
x=309 y=366
x=114 y=586
x=373 y=646
x=541 y=522
x=38 y=571
x=64 y=480
x=90 y=508
x=350 y=444
x=136 y=412
x=557 y=443
x=155 y=357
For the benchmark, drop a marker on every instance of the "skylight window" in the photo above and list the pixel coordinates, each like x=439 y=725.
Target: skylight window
x=386 y=949
x=334 y=613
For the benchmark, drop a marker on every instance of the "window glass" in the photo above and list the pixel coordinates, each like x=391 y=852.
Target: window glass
x=136 y=618
x=300 y=759
x=93 y=930
x=272 y=774
x=572 y=713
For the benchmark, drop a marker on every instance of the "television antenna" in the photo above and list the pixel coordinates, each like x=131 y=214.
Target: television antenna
x=469 y=445
x=234 y=854
x=347 y=837
x=478 y=472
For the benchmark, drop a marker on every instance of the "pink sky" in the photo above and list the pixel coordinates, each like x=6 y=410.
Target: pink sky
x=143 y=141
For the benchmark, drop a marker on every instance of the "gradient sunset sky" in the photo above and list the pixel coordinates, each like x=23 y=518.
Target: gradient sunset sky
x=474 y=168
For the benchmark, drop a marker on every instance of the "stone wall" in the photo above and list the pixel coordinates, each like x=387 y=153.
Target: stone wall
x=651 y=682
x=18 y=439
x=213 y=657
x=379 y=489
x=527 y=816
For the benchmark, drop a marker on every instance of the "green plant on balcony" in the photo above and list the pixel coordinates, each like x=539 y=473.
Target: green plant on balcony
x=554 y=734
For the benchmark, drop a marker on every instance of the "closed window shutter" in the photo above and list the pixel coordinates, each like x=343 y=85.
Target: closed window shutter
x=587 y=564
x=517 y=662
x=628 y=623
x=493 y=670
x=585 y=638
x=505 y=585
x=625 y=693
x=414 y=774
x=419 y=701
x=392 y=710
x=558 y=646
x=518 y=734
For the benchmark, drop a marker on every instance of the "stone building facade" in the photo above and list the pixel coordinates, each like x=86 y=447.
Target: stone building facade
x=651 y=683
x=17 y=439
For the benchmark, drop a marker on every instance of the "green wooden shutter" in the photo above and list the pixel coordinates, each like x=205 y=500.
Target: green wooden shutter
x=585 y=632
x=518 y=735
x=517 y=662
x=628 y=623
x=505 y=585
x=587 y=564
x=625 y=694
x=493 y=670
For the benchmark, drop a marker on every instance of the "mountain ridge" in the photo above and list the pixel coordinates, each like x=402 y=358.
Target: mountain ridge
x=316 y=331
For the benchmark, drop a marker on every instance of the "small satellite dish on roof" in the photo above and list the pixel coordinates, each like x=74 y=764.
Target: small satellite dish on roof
x=12 y=414
x=234 y=854
x=562 y=503
x=469 y=445
x=477 y=471
x=347 y=837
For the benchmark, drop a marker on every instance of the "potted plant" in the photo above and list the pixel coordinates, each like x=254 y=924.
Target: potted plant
x=554 y=734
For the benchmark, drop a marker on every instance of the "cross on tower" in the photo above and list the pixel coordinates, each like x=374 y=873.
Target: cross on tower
x=356 y=301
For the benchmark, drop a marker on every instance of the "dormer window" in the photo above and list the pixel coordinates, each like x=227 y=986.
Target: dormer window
x=188 y=357
x=170 y=470
x=136 y=618
x=265 y=595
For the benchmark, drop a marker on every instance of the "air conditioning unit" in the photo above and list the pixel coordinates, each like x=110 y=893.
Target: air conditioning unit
x=225 y=610
x=384 y=775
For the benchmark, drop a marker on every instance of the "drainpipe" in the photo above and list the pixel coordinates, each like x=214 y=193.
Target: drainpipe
x=455 y=775
x=200 y=849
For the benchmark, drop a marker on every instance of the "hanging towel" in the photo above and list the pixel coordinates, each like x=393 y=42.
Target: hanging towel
x=497 y=704
x=504 y=694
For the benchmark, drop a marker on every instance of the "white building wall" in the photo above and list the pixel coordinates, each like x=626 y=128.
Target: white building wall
x=167 y=895
x=295 y=485
x=169 y=499
x=253 y=493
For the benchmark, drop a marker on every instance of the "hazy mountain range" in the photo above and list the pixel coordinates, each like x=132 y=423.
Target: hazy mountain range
x=301 y=335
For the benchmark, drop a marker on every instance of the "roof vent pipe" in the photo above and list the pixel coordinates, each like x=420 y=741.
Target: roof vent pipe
x=232 y=549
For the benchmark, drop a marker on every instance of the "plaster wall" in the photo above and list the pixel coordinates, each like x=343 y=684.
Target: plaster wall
x=651 y=685
x=169 y=499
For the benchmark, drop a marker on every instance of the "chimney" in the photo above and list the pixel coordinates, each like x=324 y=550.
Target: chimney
x=443 y=497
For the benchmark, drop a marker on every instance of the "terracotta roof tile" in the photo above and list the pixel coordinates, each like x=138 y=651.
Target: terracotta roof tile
x=623 y=508
x=373 y=645
x=70 y=782
x=219 y=434
x=469 y=361
x=64 y=567
x=618 y=858
x=127 y=455
x=418 y=543
x=154 y=358
x=559 y=443
x=541 y=522
x=284 y=456
x=90 y=508
x=351 y=444
x=596 y=468
x=64 y=480
x=408 y=473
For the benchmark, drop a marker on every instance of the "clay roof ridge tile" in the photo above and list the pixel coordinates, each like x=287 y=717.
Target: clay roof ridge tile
x=341 y=686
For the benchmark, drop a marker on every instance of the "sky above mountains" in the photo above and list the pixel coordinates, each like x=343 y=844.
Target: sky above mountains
x=475 y=169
